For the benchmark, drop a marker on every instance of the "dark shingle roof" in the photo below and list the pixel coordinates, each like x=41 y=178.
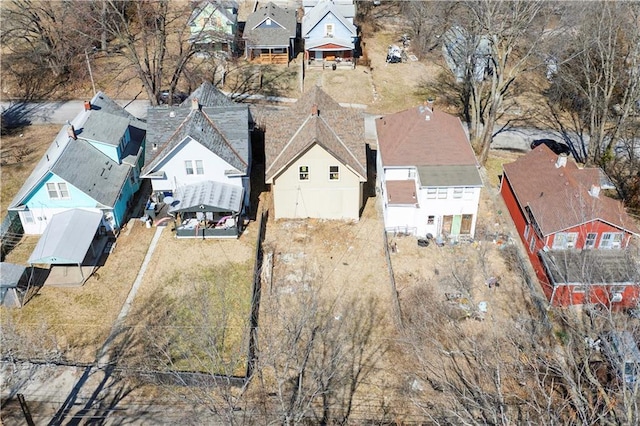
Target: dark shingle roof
x=220 y=125
x=276 y=37
x=339 y=130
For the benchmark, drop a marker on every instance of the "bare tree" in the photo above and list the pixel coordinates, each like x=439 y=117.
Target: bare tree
x=315 y=354
x=509 y=31
x=597 y=85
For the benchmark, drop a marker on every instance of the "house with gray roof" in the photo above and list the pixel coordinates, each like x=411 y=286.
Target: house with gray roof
x=213 y=25
x=198 y=160
x=329 y=37
x=316 y=162
x=270 y=34
x=93 y=164
x=427 y=174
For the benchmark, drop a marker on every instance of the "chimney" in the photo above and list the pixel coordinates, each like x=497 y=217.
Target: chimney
x=71 y=132
x=314 y=109
x=87 y=105
x=194 y=104
x=561 y=161
x=594 y=191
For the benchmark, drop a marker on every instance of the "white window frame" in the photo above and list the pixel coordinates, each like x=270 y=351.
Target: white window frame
x=27 y=217
x=188 y=167
x=586 y=240
x=608 y=240
x=458 y=192
x=199 y=167
x=329 y=30
x=443 y=193
x=58 y=191
x=532 y=244
x=469 y=192
x=565 y=240
x=527 y=230
x=432 y=193
x=303 y=173
x=412 y=173
x=431 y=220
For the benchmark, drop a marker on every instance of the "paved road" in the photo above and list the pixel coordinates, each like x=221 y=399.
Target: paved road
x=60 y=112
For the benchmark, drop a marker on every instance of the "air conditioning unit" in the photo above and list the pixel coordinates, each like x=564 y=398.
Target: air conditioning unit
x=616 y=298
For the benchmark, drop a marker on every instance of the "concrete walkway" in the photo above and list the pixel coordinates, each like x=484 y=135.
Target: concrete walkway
x=103 y=354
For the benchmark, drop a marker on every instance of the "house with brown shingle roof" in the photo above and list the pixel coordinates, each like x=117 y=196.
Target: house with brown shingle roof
x=427 y=174
x=315 y=156
x=575 y=235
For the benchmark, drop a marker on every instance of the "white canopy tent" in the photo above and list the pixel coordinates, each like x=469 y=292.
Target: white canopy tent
x=67 y=238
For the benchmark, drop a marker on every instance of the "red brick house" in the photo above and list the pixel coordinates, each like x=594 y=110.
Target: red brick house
x=576 y=237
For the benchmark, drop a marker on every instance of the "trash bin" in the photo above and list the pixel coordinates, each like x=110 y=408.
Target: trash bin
x=334 y=66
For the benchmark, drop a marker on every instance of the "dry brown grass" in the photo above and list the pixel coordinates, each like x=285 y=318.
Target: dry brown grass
x=80 y=318
x=20 y=153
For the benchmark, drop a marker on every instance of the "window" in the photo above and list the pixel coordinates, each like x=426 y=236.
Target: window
x=579 y=288
x=457 y=192
x=334 y=173
x=564 y=240
x=611 y=240
x=57 y=190
x=469 y=192
x=412 y=173
x=27 y=216
x=304 y=172
x=188 y=165
x=328 y=30
x=532 y=244
x=590 y=242
x=199 y=167
x=431 y=220
x=527 y=229
x=442 y=193
x=431 y=192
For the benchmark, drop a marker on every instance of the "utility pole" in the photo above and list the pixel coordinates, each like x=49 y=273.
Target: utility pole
x=93 y=85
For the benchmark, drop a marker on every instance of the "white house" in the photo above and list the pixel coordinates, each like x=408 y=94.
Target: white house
x=200 y=151
x=427 y=174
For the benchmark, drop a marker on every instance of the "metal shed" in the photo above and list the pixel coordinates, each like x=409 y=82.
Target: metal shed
x=14 y=284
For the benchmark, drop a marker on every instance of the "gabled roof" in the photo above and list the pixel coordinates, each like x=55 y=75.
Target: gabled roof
x=219 y=124
x=75 y=160
x=318 y=13
x=421 y=136
x=265 y=37
x=226 y=8
x=346 y=8
x=109 y=132
x=338 y=130
x=559 y=197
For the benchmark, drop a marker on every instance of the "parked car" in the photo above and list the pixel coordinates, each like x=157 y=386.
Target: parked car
x=623 y=354
x=555 y=146
x=178 y=97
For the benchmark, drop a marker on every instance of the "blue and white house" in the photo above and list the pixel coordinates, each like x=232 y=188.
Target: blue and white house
x=328 y=36
x=93 y=164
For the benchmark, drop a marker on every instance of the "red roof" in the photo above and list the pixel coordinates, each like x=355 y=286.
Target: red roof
x=401 y=192
x=560 y=197
x=422 y=137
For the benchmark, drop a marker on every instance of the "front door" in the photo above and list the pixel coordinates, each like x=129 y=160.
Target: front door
x=446 y=224
x=455 y=227
x=465 y=227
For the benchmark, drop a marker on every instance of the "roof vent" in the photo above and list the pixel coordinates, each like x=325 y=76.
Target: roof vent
x=172 y=114
x=594 y=191
x=194 y=104
x=71 y=131
x=561 y=161
x=314 y=109
x=427 y=117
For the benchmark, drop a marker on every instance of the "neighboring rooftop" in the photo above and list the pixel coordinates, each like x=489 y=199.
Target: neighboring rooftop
x=560 y=195
x=315 y=118
x=591 y=267
x=423 y=136
x=281 y=30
